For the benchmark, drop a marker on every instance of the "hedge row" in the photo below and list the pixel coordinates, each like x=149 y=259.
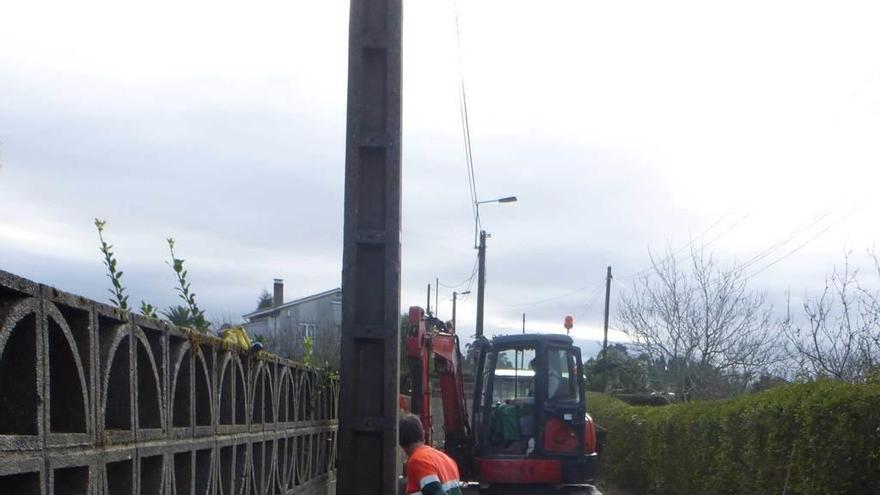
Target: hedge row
x=816 y=438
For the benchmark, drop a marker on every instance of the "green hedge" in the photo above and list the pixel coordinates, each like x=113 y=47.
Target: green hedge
x=816 y=438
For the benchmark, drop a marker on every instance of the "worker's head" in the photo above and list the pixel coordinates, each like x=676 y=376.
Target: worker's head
x=411 y=433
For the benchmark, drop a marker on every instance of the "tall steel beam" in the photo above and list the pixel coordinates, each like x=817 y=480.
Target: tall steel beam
x=368 y=459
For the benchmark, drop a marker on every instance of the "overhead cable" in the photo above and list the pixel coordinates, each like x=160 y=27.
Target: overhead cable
x=465 y=122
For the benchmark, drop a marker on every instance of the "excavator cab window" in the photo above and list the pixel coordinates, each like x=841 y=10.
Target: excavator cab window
x=514 y=375
x=562 y=375
x=511 y=379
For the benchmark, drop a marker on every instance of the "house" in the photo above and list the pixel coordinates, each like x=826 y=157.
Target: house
x=284 y=327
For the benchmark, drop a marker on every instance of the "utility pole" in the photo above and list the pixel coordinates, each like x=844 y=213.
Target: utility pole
x=428 y=311
x=437 y=297
x=481 y=282
x=524 y=323
x=370 y=337
x=454 y=300
x=481 y=256
x=454 y=297
x=605 y=339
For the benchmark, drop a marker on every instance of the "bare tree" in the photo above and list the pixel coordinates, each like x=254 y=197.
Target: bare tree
x=225 y=319
x=839 y=336
x=713 y=335
x=326 y=344
x=286 y=337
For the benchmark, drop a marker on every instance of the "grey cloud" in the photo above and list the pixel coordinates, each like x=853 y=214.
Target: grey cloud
x=253 y=190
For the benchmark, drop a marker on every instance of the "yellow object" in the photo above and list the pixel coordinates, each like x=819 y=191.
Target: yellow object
x=236 y=336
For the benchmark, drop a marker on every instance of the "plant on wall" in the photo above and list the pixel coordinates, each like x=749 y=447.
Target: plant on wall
x=119 y=299
x=196 y=315
x=149 y=310
x=178 y=315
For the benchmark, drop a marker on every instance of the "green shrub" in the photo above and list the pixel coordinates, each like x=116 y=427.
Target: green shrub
x=815 y=438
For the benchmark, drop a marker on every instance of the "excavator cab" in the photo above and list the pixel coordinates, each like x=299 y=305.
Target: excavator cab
x=529 y=417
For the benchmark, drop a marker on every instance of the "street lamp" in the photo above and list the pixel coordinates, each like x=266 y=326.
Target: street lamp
x=481 y=257
x=506 y=199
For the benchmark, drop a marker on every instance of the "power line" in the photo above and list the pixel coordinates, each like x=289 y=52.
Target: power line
x=790 y=237
x=591 y=300
x=465 y=281
x=793 y=251
x=470 y=283
x=726 y=231
x=465 y=121
x=690 y=256
x=549 y=299
x=468 y=150
x=781 y=243
x=804 y=244
x=690 y=243
x=786 y=240
x=764 y=253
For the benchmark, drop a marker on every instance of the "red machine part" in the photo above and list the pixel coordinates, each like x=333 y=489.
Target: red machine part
x=447 y=363
x=403 y=402
x=517 y=471
x=418 y=353
x=422 y=343
x=559 y=437
x=590 y=444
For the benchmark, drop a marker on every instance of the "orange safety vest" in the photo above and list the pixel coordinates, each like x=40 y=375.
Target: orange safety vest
x=427 y=465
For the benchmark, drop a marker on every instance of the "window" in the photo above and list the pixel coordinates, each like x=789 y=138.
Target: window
x=562 y=381
x=514 y=375
x=309 y=330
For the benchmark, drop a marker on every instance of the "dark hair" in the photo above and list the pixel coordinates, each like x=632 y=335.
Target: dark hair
x=411 y=430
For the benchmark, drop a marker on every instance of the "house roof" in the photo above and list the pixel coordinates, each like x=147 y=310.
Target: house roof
x=274 y=309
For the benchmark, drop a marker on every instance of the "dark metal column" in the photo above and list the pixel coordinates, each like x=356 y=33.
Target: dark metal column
x=368 y=458
x=605 y=338
x=454 y=297
x=481 y=282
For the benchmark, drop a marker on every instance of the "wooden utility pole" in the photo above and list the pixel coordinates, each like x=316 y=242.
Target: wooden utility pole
x=369 y=375
x=454 y=297
x=605 y=339
x=454 y=303
x=437 y=297
x=481 y=282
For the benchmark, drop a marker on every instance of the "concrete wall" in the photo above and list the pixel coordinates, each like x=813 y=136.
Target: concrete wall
x=94 y=400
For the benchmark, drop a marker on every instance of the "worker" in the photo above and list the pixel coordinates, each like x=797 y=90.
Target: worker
x=428 y=470
x=554 y=378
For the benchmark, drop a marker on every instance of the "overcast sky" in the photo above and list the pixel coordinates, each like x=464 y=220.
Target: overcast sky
x=622 y=127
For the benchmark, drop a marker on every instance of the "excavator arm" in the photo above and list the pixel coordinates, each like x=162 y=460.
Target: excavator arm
x=430 y=338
